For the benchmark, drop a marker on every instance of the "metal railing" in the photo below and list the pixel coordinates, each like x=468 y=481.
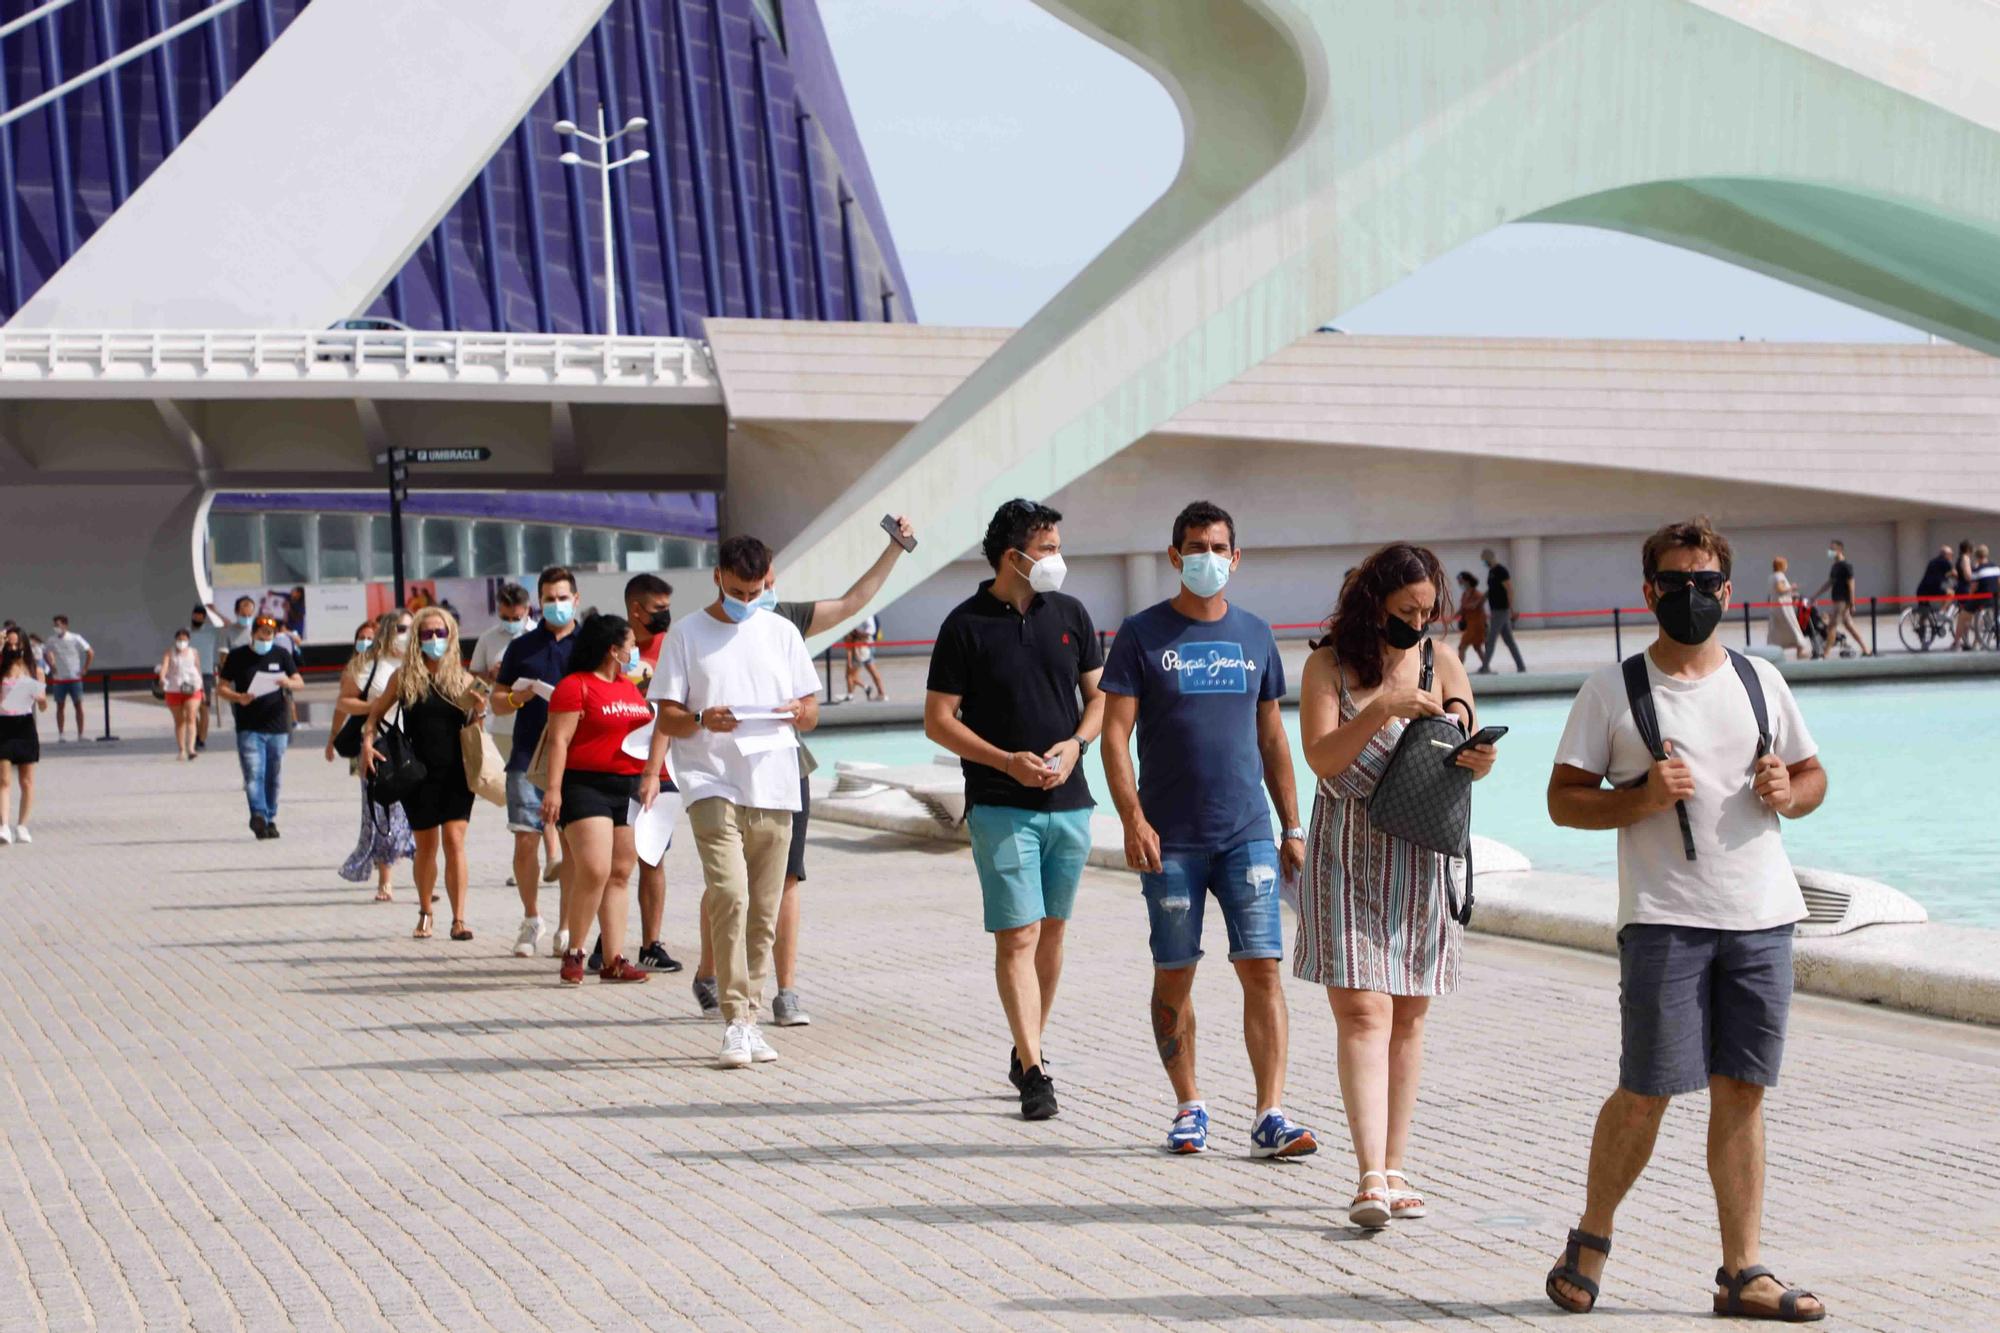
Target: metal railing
x=63 y=355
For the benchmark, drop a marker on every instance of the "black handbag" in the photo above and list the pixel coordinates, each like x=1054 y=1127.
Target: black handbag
x=397 y=771
x=1424 y=797
x=347 y=741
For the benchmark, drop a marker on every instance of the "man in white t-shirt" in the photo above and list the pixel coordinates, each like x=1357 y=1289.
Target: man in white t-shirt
x=68 y=656
x=735 y=688
x=1707 y=901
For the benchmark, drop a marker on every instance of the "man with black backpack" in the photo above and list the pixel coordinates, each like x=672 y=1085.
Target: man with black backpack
x=1704 y=751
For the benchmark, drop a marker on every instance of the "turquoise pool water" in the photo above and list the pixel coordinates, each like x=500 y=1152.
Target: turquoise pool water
x=1910 y=801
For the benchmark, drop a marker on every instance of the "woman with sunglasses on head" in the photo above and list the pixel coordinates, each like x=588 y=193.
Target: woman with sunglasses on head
x=379 y=646
x=437 y=698
x=592 y=779
x=1375 y=922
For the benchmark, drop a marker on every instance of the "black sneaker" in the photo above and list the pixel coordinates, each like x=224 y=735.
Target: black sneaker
x=1014 y=1071
x=655 y=958
x=596 y=963
x=271 y=829
x=1038 y=1095
x=258 y=827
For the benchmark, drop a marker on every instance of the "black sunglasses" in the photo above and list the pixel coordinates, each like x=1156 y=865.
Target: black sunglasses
x=1710 y=581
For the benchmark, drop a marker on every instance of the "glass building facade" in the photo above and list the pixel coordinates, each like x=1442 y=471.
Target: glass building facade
x=756 y=200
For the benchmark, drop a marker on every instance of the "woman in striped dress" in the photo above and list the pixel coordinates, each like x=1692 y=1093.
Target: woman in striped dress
x=1374 y=925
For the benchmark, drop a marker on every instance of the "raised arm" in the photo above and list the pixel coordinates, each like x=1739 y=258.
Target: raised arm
x=828 y=614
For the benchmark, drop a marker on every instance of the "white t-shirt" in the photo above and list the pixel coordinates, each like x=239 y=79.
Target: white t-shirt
x=759 y=663
x=486 y=654
x=65 y=654
x=1741 y=878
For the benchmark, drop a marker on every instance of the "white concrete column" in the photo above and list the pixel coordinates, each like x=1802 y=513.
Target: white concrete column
x=309 y=539
x=1913 y=552
x=517 y=555
x=1140 y=581
x=1525 y=561
x=462 y=531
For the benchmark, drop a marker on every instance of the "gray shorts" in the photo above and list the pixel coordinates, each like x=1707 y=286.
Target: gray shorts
x=524 y=804
x=1697 y=1002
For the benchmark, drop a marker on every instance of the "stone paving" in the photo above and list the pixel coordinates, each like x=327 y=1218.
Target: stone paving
x=236 y=1094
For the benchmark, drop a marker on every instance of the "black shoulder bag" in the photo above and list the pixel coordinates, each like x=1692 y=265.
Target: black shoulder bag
x=1639 y=697
x=397 y=770
x=1424 y=797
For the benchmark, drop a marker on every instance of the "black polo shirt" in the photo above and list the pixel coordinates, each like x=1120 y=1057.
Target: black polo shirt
x=1017 y=677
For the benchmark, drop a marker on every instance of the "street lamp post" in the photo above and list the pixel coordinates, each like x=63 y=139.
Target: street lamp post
x=604 y=166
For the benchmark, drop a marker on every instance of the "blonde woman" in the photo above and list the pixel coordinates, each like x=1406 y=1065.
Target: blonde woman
x=385 y=830
x=437 y=697
x=1783 y=631
x=180 y=684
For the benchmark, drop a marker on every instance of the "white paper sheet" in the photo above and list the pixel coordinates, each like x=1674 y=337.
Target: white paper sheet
x=638 y=742
x=653 y=830
x=765 y=714
x=765 y=741
x=266 y=682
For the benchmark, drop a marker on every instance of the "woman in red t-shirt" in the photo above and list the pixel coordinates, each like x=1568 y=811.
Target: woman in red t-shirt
x=591 y=783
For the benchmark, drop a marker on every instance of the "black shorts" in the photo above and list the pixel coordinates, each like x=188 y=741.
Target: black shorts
x=795 y=864
x=20 y=743
x=1698 y=1002
x=438 y=802
x=589 y=795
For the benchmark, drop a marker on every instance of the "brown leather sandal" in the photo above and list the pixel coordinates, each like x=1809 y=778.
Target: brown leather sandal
x=1567 y=1271
x=1788 y=1304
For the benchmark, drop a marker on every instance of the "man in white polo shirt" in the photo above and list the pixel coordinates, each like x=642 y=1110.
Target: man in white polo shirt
x=1705 y=752
x=735 y=687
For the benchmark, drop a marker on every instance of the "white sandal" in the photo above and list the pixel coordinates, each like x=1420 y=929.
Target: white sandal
x=1404 y=1202
x=1370 y=1209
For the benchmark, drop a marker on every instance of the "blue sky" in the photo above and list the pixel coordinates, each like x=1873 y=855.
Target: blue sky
x=1009 y=149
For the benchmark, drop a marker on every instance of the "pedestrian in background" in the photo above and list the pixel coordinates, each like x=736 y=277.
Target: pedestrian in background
x=69 y=656
x=1782 y=630
x=255 y=679
x=860 y=648
x=1471 y=615
x=1968 y=610
x=385 y=836
x=1841 y=583
x=207 y=641
x=1376 y=926
x=1499 y=613
x=179 y=674
x=437 y=698
x=22 y=694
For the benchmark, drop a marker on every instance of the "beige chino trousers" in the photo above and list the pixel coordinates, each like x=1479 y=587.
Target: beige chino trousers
x=743 y=853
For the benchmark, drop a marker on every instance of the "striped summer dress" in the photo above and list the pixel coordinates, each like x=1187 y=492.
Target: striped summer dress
x=1372 y=910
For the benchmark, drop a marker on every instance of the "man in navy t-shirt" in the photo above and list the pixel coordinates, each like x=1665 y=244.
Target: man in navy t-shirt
x=1202 y=681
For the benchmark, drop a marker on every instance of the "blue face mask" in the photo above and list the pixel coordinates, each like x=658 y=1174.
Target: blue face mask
x=739 y=611
x=363 y=645
x=559 y=610
x=767 y=600
x=632 y=660
x=1206 y=574
x=516 y=628
x=262 y=646
x=434 y=648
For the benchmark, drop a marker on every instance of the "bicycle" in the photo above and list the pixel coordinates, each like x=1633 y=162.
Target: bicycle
x=1923 y=624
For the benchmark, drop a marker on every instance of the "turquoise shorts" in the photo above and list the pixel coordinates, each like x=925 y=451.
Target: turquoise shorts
x=1029 y=862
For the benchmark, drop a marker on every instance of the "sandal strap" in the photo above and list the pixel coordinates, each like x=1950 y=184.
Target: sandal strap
x=1587 y=1240
x=1571 y=1274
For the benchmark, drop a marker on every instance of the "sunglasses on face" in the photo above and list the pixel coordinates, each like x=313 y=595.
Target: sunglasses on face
x=425 y=636
x=1709 y=581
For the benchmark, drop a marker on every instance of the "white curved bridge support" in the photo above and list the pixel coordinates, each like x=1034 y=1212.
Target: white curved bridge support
x=1334 y=146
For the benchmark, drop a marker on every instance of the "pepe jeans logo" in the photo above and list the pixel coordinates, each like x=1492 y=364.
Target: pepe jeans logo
x=1209 y=668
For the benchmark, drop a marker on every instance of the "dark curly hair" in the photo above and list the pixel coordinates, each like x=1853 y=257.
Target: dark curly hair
x=595 y=639
x=1354 y=630
x=1013 y=523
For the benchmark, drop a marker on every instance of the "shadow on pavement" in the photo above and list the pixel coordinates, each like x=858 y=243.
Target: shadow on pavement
x=954 y=1106
x=1331 y=1306
x=878 y=1154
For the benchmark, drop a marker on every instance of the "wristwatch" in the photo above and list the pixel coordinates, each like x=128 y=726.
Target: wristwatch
x=1293 y=835
x=1082 y=746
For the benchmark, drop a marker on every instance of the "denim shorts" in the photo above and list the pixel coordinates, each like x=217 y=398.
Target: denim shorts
x=1029 y=862
x=1696 y=1002
x=1244 y=880
x=524 y=805
x=71 y=690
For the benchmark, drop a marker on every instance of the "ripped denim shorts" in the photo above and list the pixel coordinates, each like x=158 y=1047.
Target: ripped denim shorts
x=1243 y=879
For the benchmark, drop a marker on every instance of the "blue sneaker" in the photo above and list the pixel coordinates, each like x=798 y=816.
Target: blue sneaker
x=1190 y=1131
x=1275 y=1136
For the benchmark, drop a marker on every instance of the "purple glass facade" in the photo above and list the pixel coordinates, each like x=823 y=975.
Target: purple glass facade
x=757 y=200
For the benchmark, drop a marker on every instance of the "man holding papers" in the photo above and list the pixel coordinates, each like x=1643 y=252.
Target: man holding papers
x=253 y=679
x=735 y=687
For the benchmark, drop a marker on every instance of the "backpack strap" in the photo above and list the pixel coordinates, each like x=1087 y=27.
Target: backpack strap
x=1746 y=671
x=1639 y=696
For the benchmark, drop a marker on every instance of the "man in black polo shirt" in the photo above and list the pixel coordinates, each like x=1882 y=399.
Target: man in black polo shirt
x=1013 y=693
x=530 y=669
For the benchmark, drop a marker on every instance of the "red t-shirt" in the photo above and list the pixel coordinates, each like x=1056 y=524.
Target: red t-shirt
x=608 y=712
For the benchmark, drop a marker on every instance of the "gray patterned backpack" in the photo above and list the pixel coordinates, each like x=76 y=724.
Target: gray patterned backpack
x=1424 y=797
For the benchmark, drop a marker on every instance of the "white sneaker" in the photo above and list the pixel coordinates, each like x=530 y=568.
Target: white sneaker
x=735 y=1052
x=6 y=836
x=561 y=945
x=21 y=833
x=760 y=1050
x=529 y=938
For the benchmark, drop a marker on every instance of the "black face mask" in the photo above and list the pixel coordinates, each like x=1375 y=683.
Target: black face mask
x=659 y=621
x=1401 y=634
x=1688 y=616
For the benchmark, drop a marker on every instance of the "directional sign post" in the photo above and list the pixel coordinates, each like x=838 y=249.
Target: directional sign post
x=398 y=462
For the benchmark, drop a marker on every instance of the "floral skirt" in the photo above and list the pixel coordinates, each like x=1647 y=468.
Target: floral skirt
x=385 y=839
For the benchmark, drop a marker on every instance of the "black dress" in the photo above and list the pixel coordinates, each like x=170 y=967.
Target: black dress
x=444 y=795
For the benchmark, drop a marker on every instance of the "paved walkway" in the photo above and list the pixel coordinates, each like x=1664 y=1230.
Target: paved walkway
x=237 y=1095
